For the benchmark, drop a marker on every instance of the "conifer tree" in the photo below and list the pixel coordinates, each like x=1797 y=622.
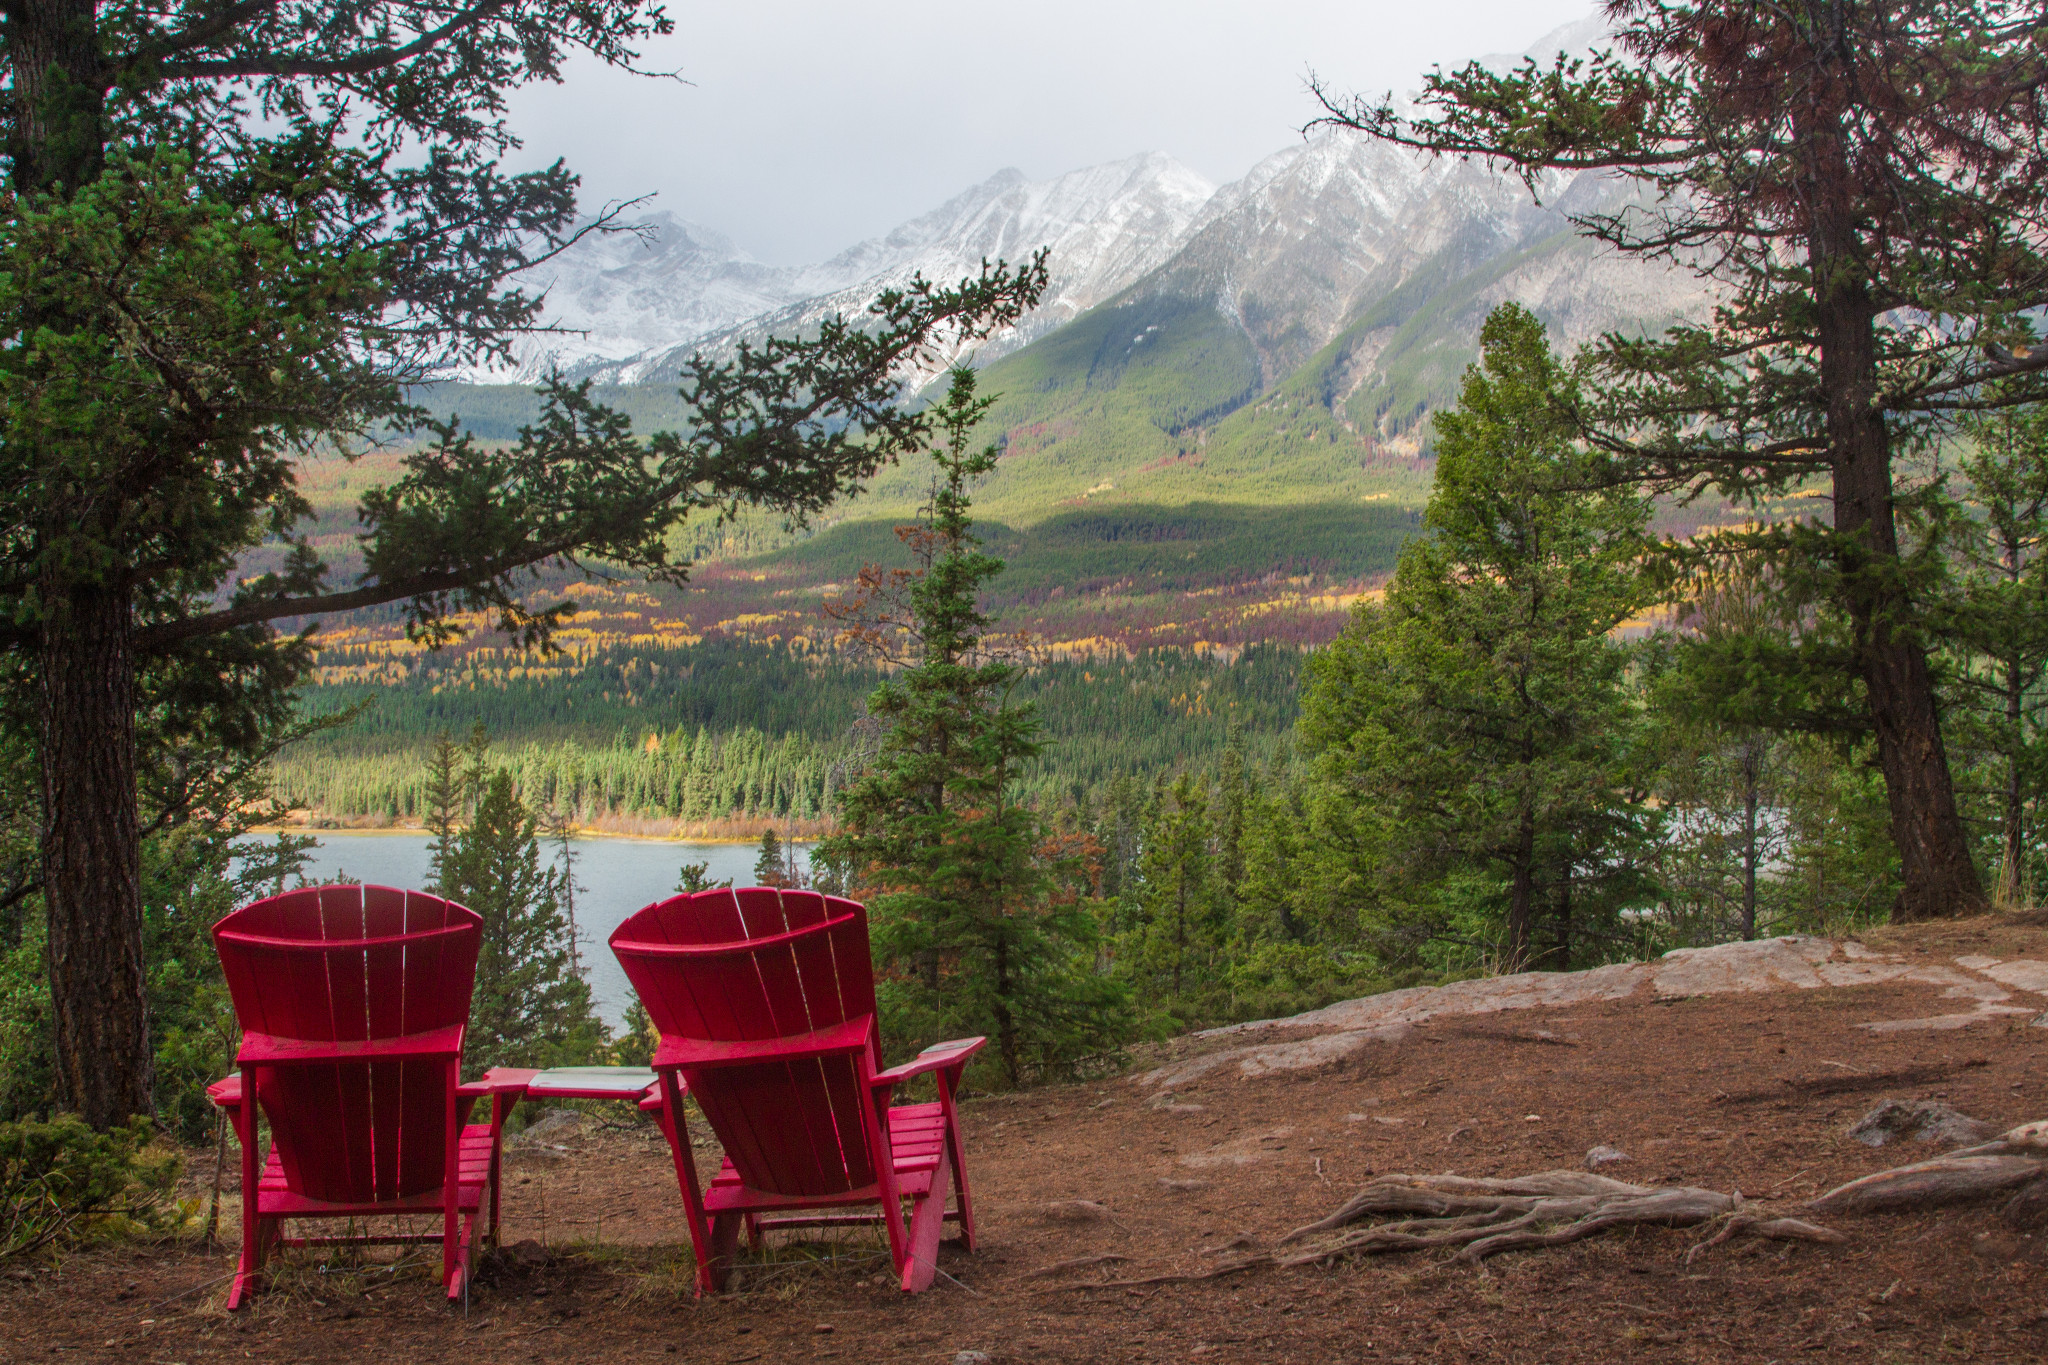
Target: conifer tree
x=530 y=1007
x=444 y=808
x=1993 y=627
x=768 y=868
x=1234 y=795
x=967 y=931
x=1473 y=723
x=694 y=877
x=1182 y=897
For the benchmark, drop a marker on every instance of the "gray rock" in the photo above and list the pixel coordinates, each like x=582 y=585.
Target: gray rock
x=1603 y=1155
x=972 y=1358
x=550 y=1128
x=1921 y=1120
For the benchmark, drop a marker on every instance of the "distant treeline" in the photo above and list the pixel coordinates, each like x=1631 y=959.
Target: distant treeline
x=728 y=728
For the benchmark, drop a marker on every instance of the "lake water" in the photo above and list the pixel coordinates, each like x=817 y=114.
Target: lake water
x=614 y=878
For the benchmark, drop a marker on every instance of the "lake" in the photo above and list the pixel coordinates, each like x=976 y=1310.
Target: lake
x=614 y=877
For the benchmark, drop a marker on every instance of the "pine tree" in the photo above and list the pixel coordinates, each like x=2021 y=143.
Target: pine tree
x=444 y=808
x=1234 y=793
x=1472 y=726
x=967 y=929
x=1725 y=699
x=559 y=830
x=694 y=877
x=1994 y=629
x=530 y=1007
x=1176 y=946
x=768 y=868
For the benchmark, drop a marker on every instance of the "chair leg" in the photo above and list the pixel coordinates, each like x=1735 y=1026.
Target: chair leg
x=960 y=1196
x=465 y=1257
x=957 y=1157
x=451 y=1181
x=927 y=1222
x=686 y=1177
x=716 y=1273
x=259 y=1235
x=256 y=1234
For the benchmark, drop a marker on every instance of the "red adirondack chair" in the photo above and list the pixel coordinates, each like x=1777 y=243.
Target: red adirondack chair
x=765 y=1001
x=353 y=1001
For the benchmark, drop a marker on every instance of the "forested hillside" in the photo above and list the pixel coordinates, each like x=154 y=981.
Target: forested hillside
x=727 y=730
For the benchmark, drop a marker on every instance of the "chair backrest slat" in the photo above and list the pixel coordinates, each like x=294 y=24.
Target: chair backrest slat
x=353 y=964
x=765 y=965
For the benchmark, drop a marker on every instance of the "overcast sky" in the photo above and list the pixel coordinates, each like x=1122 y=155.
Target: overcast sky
x=809 y=125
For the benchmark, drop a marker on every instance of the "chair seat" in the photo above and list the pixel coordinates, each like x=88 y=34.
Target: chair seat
x=917 y=1140
x=276 y=1199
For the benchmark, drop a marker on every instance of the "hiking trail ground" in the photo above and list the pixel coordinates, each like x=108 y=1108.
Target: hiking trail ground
x=1737 y=1068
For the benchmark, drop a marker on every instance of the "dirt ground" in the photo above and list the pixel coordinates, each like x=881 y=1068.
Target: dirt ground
x=1749 y=1092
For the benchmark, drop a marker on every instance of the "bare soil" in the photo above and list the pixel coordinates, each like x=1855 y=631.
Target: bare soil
x=1750 y=1092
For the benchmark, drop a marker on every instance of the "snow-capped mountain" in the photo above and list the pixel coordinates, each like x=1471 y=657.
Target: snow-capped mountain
x=617 y=295
x=644 y=304
x=1343 y=231
x=1368 y=259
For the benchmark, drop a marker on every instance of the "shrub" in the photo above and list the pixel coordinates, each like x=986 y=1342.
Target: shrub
x=60 y=1181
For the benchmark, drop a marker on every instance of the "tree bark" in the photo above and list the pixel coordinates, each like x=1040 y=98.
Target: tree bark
x=2014 y=850
x=91 y=853
x=1752 y=794
x=60 y=92
x=1522 y=886
x=1934 y=852
x=90 y=836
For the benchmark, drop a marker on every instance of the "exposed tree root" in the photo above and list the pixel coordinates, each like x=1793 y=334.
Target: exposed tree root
x=1482 y=1218
x=1929 y=1184
x=1551 y=1208
x=2015 y=1164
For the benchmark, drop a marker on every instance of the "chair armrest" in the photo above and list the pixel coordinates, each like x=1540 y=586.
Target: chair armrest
x=226 y=1093
x=937 y=1057
x=505 y=1086
x=499 y=1080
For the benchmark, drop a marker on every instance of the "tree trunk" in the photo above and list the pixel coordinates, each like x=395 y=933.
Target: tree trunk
x=1561 y=939
x=1522 y=889
x=1006 y=1022
x=60 y=94
x=1752 y=793
x=2015 y=789
x=91 y=837
x=91 y=854
x=1934 y=853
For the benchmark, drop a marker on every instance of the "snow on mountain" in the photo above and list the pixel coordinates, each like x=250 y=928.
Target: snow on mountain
x=645 y=306
x=1338 y=238
x=617 y=295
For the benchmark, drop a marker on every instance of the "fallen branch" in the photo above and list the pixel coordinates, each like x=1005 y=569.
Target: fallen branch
x=1218 y=1273
x=1077 y=1263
